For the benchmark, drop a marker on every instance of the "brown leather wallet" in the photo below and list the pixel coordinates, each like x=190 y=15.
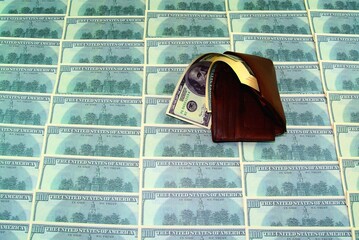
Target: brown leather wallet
x=241 y=113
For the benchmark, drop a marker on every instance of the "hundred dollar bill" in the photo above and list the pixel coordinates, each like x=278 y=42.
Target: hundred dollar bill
x=29 y=109
x=299 y=234
x=155 y=111
x=332 y=4
x=303 y=78
x=21 y=141
x=187 y=5
x=234 y=5
x=13 y=230
x=102 y=52
x=350 y=173
x=26 y=78
x=29 y=51
x=353 y=201
x=310 y=110
x=337 y=47
x=104 y=28
x=347 y=139
x=90 y=141
x=18 y=174
x=106 y=7
x=180 y=173
x=100 y=80
x=338 y=22
x=278 y=48
x=319 y=179
x=297 y=144
x=343 y=107
x=62 y=231
x=175 y=141
x=25 y=26
x=84 y=174
x=162 y=80
x=86 y=208
x=293 y=22
x=340 y=76
x=15 y=206
x=196 y=208
x=109 y=111
x=194 y=234
x=33 y=7
x=188 y=101
x=185 y=24
x=161 y=51
x=298 y=212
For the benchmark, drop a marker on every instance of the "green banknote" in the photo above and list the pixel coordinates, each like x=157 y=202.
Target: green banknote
x=110 y=111
x=18 y=174
x=196 y=208
x=292 y=234
x=21 y=141
x=340 y=76
x=161 y=51
x=104 y=28
x=61 y=231
x=33 y=7
x=260 y=5
x=15 y=206
x=309 y=212
x=162 y=80
x=14 y=231
x=347 y=139
x=106 y=7
x=86 y=208
x=184 y=173
x=90 y=141
x=333 y=4
x=185 y=24
x=298 y=78
x=297 y=144
x=29 y=109
x=193 y=234
x=343 y=107
x=337 y=47
x=187 y=5
x=338 y=22
x=29 y=51
x=289 y=22
x=23 y=78
x=188 y=101
x=277 y=47
x=353 y=201
x=310 y=110
x=85 y=174
x=124 y=80
x=296 y=179
x=102 y=52
x=155 y=111
x=180 y=141
x=350 y=173
x=28 y=26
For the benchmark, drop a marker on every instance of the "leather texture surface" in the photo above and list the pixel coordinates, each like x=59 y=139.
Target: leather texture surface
x=241 y=113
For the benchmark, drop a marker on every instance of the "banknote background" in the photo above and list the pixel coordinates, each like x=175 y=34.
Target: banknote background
x=87 y=151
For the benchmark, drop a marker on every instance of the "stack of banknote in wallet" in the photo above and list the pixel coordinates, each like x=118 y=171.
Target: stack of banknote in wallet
x=191 y=100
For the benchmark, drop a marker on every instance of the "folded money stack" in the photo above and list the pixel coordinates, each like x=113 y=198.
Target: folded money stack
x=235 y=95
